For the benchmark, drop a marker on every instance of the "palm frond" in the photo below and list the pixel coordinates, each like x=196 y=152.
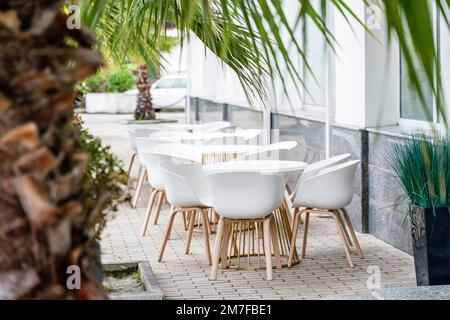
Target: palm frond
x=254 y=37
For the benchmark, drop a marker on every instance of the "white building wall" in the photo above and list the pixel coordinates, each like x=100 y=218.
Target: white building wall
x=350 y=68
x=174 y=62
x=365 y=75
x=211 y=79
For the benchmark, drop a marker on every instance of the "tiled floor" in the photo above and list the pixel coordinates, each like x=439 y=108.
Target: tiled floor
x=324 y=272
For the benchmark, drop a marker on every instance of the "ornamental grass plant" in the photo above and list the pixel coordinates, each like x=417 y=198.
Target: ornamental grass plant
x=422 y=166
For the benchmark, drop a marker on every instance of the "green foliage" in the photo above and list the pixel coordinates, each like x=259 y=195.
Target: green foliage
x=116 y=79
x=104 y=182
x=120 y=80
x=93 y=84
x=422 y=166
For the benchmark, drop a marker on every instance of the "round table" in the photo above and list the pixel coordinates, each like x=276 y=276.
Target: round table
x=210 y=154
x=246 y=236
x=262 y=166
x=190 y=137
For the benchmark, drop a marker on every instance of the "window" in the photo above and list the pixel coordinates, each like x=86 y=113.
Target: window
x=412 y=110
x=171 y=83
x=180 y=83
x=165 y=84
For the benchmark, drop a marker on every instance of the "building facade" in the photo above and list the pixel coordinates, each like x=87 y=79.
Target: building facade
x=359 y=101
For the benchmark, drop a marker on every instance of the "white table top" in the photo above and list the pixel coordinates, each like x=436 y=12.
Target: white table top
x=195 y=152
x=177 y=136
x=262 y=166
x=230 y=148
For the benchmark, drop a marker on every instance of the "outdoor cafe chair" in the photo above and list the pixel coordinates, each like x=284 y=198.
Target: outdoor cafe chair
x=249 y=197
x=152 y=161
x=327 y=192
x=143 y=145
x=187 y=192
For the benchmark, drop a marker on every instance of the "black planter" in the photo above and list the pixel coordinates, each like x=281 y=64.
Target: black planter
x=431 y=245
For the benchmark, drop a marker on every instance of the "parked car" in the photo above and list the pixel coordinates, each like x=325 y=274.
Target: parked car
x=169 y=92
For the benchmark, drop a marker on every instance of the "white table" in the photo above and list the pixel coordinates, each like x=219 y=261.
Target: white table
x=210 y=153
x=236 y=137
x=262 y=166
x=245 y=248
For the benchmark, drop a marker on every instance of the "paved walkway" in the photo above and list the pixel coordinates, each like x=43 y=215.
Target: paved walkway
x=324 y=272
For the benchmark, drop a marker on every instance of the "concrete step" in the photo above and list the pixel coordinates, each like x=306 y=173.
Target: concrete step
x=403 y=293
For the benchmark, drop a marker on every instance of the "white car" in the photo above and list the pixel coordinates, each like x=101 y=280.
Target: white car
x=169 y=92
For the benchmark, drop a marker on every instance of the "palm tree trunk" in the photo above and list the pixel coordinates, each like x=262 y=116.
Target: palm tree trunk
x=144 y=108
x=42 y=218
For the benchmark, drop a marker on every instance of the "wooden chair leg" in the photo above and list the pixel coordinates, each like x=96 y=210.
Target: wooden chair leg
x=185 y=224
x=295 y=224
x=226 y=238
x=190 y=232
x=206 y=235
x=141 y=180
x=167 y=234
x=344 y=229
x=148 y=212
x=275 y=243
x=352 y=232
x=208 y=224
x=289 y=206
x=217 y=251
x=305 y=234
x=162 y=194
x=130 y=166
x=344 y=242
x=267 y=245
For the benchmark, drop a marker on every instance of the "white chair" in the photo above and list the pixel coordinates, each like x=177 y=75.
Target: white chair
x=152 y=161
x=314 y=168
x=327 y=192
x=274 y=151
x=249 y=197
x=134 y=133
x=143 y=145
x=186 y=191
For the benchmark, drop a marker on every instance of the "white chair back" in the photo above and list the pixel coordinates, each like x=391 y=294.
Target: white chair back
x=152 y=161
x=331 y=188
x=146 y=145
x=314 y=168
x=185 y=184
x=136 y=132
x=245 y=195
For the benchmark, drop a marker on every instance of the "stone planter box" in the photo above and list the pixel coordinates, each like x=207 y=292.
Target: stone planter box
x=150 y=290
x=431 y=245
x=111 y=102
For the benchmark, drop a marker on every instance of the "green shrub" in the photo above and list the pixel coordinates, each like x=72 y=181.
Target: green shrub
x=120 y=80
x=93 y=84
x=105 y=180
x=422 y=166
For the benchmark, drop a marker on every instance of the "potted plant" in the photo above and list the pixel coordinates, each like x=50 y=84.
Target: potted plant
x=422 y=165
